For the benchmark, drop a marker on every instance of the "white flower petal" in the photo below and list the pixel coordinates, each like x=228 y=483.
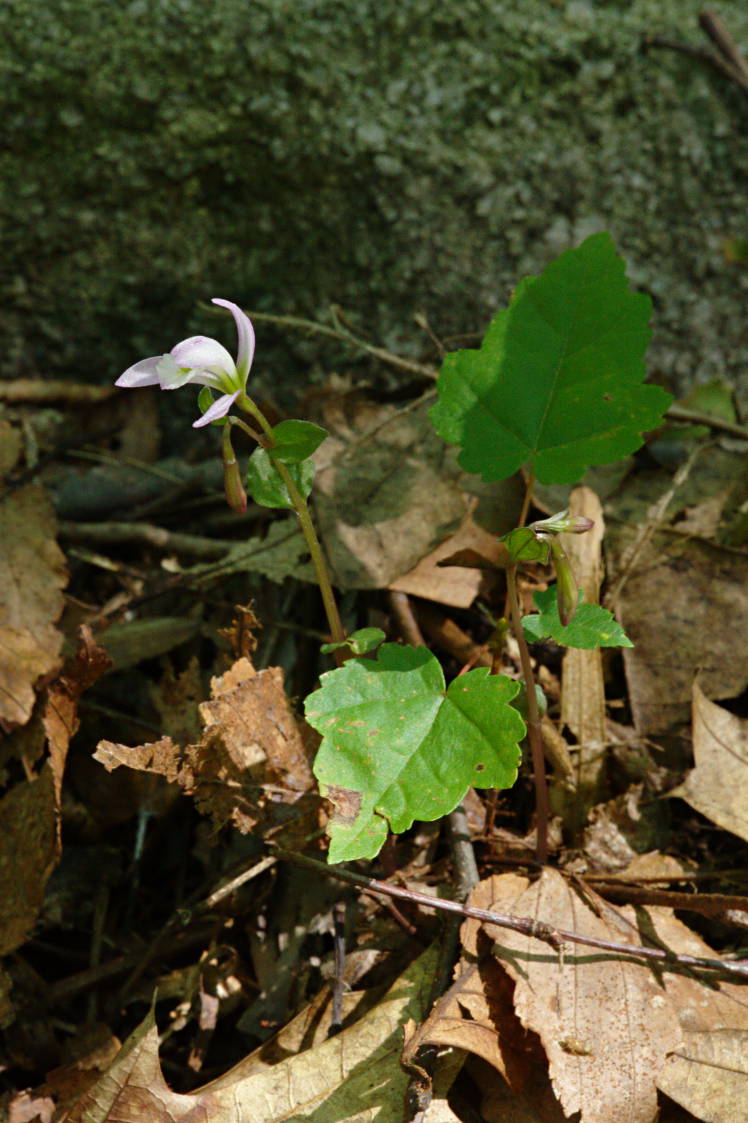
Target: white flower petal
x=245 y=331
x=220 y=408
x=207 y=354
x=140 y=374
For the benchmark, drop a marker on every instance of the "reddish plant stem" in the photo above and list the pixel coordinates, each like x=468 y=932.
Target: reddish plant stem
x=534 y=732
x=527 y=926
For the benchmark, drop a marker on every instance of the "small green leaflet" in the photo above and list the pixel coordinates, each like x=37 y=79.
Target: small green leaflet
x=557 y=382
x=398 y=747
x=591 y=627
x=296 y=440
x=265 y=485
x=360 y=642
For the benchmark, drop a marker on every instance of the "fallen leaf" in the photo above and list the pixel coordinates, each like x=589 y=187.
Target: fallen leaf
x=355 y=1075
x=605 y=1023
x=386 y=494
x=707 y=1074
x=692 y=601
x=32 y=576
x=454 y=585
x=30 y=811
x=718 y=785
x=251 y=741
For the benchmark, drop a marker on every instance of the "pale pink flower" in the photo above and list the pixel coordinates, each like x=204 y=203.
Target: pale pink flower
x=201 y=361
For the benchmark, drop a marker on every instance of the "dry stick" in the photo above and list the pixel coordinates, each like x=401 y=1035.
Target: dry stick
x=525 y=925
x=348 y=337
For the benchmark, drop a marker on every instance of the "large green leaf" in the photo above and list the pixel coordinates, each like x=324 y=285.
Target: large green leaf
x=557 y=382
x=397 y=746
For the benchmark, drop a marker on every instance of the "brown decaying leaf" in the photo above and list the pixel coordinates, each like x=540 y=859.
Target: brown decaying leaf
x=386 y=493
x=455 y=585
x=718 y=785
x=251 y=745
x=354 y=1076
x=30 y=811
x=32 y=576
x=708 y=1073
x=606 y=1024
x=686 y=612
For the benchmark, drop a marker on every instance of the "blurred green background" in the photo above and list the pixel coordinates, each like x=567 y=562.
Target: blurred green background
x=390 y=157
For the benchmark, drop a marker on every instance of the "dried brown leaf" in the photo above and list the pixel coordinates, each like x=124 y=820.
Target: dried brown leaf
x=30 y=811
x=354 y=1076
x=251 y=745
x=455 y=585
x=686 y=612
x=707 y=1074
x=32 y=576
x=605 y=1023
x=386 y=494
x=718 y=785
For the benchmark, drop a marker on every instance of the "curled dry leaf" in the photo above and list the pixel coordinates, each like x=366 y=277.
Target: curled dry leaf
x=32 y=576
x=250 y=759
x=355 y=1075
x=718 y=785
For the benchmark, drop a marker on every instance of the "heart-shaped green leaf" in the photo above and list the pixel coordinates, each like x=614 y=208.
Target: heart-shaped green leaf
x=557 y=382
x=398 y=747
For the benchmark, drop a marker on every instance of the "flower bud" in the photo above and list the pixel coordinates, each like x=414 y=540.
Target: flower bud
x=567 y=592
x=563 y=523
x=236 y=496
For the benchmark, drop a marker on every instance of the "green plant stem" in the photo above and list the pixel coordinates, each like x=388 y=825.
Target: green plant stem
x=315 y=549
x=305 y=521
x=534 y=733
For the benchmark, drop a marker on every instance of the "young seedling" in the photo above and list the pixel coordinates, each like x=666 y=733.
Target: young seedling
x=555 y=387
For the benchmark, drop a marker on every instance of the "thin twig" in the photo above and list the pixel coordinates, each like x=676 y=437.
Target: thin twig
x=106 y=533
x=347 y=337
x=525 y=925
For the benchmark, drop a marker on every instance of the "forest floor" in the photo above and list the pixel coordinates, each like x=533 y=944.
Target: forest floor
x=174 y=945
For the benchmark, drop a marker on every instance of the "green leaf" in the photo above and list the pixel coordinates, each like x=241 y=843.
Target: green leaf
x=360 y=642
x=296 y=440
x=591 y=627
x=557 y=382
x=397 y=746
x=265 y=485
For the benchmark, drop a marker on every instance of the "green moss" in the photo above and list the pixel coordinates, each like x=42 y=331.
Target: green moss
x=389 y=157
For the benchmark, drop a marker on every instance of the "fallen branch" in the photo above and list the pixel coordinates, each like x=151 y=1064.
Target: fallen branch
x=525 y=925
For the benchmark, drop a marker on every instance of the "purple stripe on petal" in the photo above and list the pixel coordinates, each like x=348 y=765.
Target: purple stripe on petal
x=220 y=408
x=246 y=350
x=140 y=374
